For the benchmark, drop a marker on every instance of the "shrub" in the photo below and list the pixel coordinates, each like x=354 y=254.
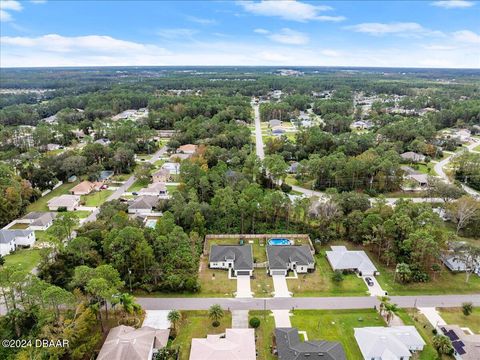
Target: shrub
x=337 y=276
x=254 y=322
x=215 y=323
x=285 y=188
x=62 y=209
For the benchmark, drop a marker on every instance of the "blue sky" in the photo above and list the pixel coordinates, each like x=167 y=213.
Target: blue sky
x=330 y=33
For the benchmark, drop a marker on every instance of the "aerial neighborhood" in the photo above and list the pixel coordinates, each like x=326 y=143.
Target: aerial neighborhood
x=240 y=213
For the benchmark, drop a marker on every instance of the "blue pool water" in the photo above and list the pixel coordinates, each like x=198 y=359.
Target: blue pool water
x=151 y=223
x=279 y=241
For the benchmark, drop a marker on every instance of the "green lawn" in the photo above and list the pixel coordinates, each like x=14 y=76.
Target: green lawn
x=138 y=185
x=424 y=328
x=320 y=283
x=261 y=283
x=477 y=148
x=26 y=258
x=336 y=325
x=215 y=282
x=19 y=226
x=264 y=334
x=41 y=204
x=80 y=213
x=454 y=316
x=425 y=168
x=197 y=324
x=96 y=198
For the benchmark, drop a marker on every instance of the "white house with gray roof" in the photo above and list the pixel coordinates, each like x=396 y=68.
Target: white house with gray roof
x=238 y=258
x=351 y=260
x=282 y=258
x=38 y=220
x=388 y=343
x=10 y=239
x=68 y=202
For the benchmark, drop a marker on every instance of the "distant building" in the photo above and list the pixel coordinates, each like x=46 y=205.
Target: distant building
x=388 y=343
x=85 y=188
x=69 y=202
x=179 y=157
x=128 y=343
x=52 y=147
x=238 y=258
x=274 y=123
x=351 y=260
x=105 y=175
x=162 y=175
x=155 y=189
x=282 y=258
x=293 y=167
x=421 y=180
x=10 y=239
x=412 y=156
x=361 y=125
x=38 y=220
x=187 y=149
x=103 y=142
x=172 y=167
x=456 y=264
x=465 y=346
x=289 y=347
x=234 y=344
x=143 y=204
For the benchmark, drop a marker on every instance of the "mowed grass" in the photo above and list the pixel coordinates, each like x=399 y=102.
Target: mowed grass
x=197 y=324
x=320 y=283
x=264 y=334
x=41 y=204
x=138 y=185
x=96 y=198
x=215 y=282
x=261 y=283
x=454 y=316
x=26 y=258
x=336 y=325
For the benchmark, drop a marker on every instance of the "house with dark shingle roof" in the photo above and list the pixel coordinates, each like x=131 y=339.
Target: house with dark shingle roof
x=238 y=258
x=38 y=220
x=289 y=347
x=282 y=258
x=143 y=204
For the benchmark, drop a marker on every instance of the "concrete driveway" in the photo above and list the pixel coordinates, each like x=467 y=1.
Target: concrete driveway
x=376 y=289
x=282 y=318
x=156 y=319
x=240 y=319
x=280 y=285
x=243 y=287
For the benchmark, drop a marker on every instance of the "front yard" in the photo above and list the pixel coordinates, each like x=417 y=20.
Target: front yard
x=336 y=325
x=26 y=258
x=454 y=316
x=264 y=334
x=138 y=185
x=96 y=198
x=215 y=282
x=197 y=324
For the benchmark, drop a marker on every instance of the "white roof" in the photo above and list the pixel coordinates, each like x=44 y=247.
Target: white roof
x=238 y=344
x=341 y=259
x=64 y=200
x=388 y=342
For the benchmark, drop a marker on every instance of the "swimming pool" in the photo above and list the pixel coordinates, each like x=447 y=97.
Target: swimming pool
x=279 y=241
x=151 y=223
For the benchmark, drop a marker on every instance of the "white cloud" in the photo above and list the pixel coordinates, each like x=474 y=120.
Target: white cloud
x=176 y=33
x=436 y=47
x=38 y=1
x=6 y=6
x=201 y=21
x=453 y=4
x=467 y=36
x=331 y=53
x=261 y=31
x=406 y=29
x=289 y=36
x=289 y=10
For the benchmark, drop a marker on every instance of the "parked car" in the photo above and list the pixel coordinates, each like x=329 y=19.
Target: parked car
x=369 y=281
x=134 y=193
x=103 y=187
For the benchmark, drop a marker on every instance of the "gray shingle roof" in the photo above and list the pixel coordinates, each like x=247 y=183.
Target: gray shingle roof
x=40 y=218
x=289 y=347
x=144 y=202
x=6 y=236
x=279 y=256
x=241 y=254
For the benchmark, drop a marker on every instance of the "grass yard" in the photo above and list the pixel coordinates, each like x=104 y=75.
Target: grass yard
x=138 y=185
x=454 y=316
x=96 y=198
x=80 y=213
x=197 y=324
x=26 y=258
x=264 y=334
x=41 y=204
x=215 y=282
x=19 y=226
x=336 y=325
x=320 y=283
x=446 y=282
x=120 y=177
x=171 y=188
x=425 y=168
x=477 y=148
x=424 y=328
x=261 y=283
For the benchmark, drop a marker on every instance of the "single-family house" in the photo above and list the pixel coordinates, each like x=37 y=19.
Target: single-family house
x=411 y=156
x=289 y=347
x=161 y=175
x=69 y=202
x=85 y=188
x=143 y=204
x=388 y=343
x=155 y=189
x=274 y=123
x=282 y=258
x=38 y=220
x=105 y=175
x=103 y=141
x=10 y=239
x=237 y=258
x=187 y=149
x=127 y=343
x=292 y=169
x=456 y=264
x=420 y=180
x=465 y=346
x=179 y=157
x=351 y=260
x=234 y=344
x=361 y=125
x=172 y=167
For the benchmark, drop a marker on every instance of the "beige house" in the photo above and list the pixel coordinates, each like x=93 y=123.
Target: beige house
x=85 y=188
x=155 y=189
x=69 y=202
x=162 y=175
x=187 y=149
x=235 y=344
x=128 y=343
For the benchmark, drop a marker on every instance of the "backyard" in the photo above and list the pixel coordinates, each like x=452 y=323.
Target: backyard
x=41 y=204
x=454 y=316
x=197 y=324
x=96 y=198
x=26 y=258
x=336 y=325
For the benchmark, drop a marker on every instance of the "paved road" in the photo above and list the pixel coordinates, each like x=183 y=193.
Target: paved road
x=258 y=133
x=326 y=303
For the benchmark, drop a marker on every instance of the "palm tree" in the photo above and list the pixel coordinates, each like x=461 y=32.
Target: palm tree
x=128 y=304
x=391 y=310
x=443 y=344
x=215 y=313
x=174 y=317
